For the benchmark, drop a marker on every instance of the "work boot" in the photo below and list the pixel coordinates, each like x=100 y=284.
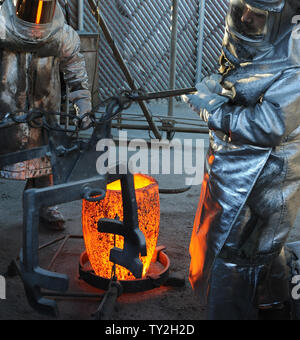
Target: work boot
x=52 y=218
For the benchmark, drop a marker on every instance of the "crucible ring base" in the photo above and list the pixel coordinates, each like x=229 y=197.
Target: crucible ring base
x=153 y=278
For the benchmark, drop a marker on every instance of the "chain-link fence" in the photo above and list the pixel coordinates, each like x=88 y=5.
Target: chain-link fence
x=141 y=29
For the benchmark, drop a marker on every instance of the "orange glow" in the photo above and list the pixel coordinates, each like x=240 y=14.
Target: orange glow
x=39 y=12
x=206 y=213
x=139 y=183
x=211 y=159
x=98 y=245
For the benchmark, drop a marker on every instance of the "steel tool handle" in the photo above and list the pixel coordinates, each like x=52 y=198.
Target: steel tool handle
x=93 y=194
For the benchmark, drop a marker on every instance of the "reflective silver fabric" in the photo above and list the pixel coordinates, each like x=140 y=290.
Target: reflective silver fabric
x=30 y=79
x=268 y=5
x=251 y=190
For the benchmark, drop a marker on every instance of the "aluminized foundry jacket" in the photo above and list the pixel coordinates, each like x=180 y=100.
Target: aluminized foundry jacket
x=30 y=79
x=251 y=189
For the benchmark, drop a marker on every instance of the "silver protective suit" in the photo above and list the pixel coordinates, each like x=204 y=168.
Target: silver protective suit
x=30 y=67
x=251 y=190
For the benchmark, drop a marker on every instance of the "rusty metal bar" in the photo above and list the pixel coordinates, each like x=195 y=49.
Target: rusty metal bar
x=124 y=68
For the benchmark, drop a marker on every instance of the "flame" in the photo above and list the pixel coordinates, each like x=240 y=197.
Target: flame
x=98 y=245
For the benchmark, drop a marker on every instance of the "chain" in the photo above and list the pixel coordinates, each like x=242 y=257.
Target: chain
x=40 y=119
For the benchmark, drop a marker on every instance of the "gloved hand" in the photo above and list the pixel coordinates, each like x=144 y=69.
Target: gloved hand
x=82 y=103
x=207 y=98
x=85 y=120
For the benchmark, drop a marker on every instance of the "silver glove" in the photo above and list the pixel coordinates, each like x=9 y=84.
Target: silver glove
x=84 y=121
x=207 y=98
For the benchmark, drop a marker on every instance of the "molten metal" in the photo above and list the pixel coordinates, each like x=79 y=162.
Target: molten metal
x=98 y=245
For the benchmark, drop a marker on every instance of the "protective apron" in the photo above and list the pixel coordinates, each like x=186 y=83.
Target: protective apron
x=251 y=189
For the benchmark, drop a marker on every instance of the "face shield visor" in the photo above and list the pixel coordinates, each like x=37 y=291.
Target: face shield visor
x=33 y=19
x=36 y=11
x=248 y=23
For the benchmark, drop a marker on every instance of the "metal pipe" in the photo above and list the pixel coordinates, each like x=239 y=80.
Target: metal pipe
x=173 y=56
x=146 y=128
x=200 y=41
x=80 y=16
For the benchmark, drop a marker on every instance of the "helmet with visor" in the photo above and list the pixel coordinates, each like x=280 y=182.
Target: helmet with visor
x=254 y=22
x=33 y=19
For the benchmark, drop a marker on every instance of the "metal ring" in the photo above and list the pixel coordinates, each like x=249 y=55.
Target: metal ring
x=131 y=286
x=93 y=194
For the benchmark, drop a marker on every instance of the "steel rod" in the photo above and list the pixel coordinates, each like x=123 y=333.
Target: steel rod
x=146 y=128
x=73 y=295
x=58 y=252
x=80 y=16
x=122 y=64
x=163 y=94
x=107 y=305
x=200 y=40
x=173 y=57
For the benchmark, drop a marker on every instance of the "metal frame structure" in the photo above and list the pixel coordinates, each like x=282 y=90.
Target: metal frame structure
x=75 y=177
x=141 y=29
x=181 y=39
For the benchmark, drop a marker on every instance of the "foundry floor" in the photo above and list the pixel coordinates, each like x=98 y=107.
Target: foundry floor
x=164 y=303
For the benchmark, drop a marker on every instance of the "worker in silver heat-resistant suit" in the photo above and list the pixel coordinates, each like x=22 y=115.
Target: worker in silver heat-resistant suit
x=35 y=46
x=251 y=190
